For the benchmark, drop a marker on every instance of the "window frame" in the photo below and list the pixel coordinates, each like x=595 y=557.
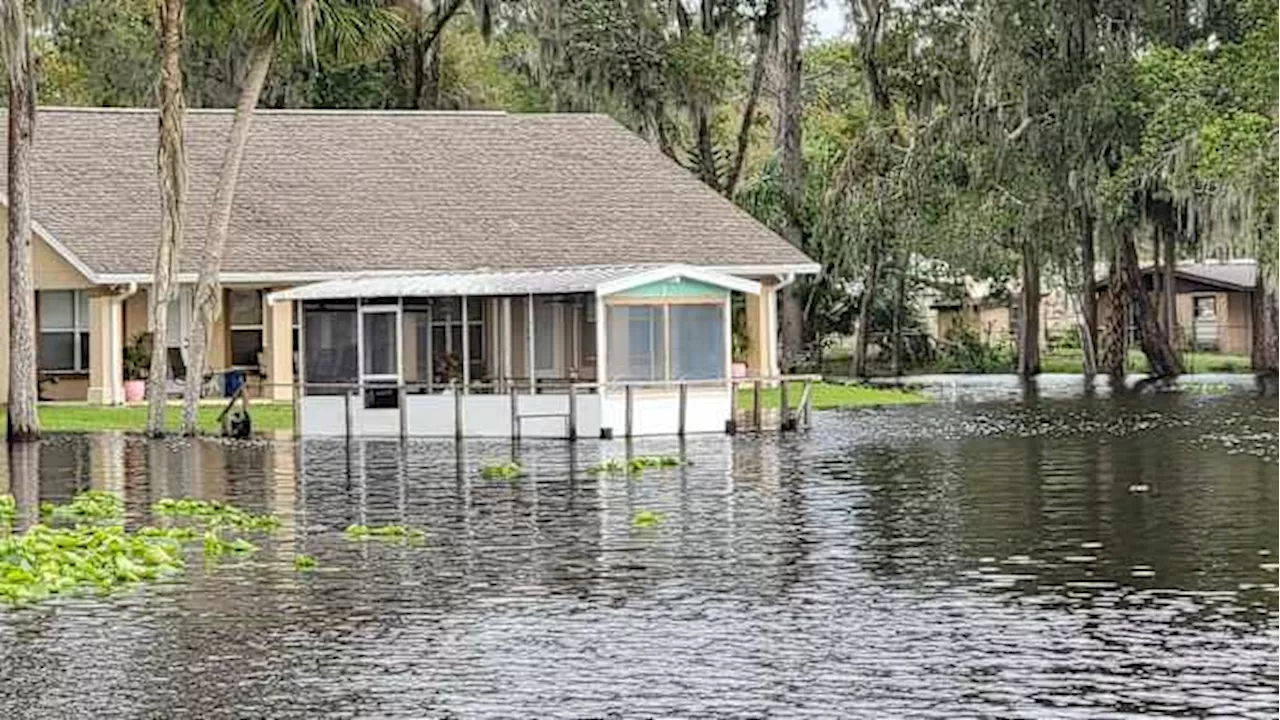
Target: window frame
x=79 y=329
x=233 y=328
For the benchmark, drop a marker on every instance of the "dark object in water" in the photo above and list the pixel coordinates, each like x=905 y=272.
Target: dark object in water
x=237 y=424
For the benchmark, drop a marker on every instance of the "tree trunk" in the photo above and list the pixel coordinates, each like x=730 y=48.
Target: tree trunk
x=706 y=150
x=765 y=30
x=899 y=310
x=1029 y=313
x=429 y=93
x=790 y=108
x=172 y=167
x=1170 y=284
x=24 y=423
x=1266 y=326
x=207 y=286
x=1155 y=343
x=1088 y=296
x=1115 y=351
x=858 y=360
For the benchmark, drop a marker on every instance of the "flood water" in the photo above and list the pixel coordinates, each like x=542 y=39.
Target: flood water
x=960 y=559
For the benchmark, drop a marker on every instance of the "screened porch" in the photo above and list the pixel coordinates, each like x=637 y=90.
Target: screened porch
x=555 y=353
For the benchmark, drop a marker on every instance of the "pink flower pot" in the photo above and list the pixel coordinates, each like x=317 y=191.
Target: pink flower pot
x=739 y=370
x=134 y=390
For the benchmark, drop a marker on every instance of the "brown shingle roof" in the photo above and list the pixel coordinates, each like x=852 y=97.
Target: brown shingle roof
x=351 y=191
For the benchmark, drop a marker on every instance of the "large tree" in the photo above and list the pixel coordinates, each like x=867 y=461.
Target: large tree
x=346 y=25
x=172 y=171
x=24 y=423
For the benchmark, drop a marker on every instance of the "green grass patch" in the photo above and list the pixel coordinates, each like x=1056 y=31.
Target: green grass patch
x=1071 y=360
x=828 y=396
x=80 y=417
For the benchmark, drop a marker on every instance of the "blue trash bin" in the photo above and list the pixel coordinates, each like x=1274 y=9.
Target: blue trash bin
x=232 y=382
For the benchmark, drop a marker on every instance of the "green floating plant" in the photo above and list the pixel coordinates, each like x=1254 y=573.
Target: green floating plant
x=646 y=519
x=304 y=562
x=385 y=533
x=8 y=511
x=501 y=471
x=217 y=546
x=215 y=513
x=87 y=505
x=46 y=561
x=635 y=466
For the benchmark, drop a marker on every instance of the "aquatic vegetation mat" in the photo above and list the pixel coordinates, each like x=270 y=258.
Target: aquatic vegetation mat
x=385 y=533
x=635 y=466
x=501 y=471
x=83 y=545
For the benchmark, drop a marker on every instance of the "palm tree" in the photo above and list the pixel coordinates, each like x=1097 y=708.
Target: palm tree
x=172 y=162
x=24 y=424
x=349 y=27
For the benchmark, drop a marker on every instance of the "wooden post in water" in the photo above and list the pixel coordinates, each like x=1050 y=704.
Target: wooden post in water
x=731 y=427
x=784 y=407
x=755 y=404
x=457 y=411
x=684 y=407
x=347 y=412
x=573 y=411
x=631 y=407
x=515 y=412
x=402 y=402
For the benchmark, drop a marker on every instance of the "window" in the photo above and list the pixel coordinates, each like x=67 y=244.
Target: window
x=637 y=347
x=245 y=320
x=697 y=342
x=446 y=338
x=666 y=342
x=330 y=337
x=64 y=330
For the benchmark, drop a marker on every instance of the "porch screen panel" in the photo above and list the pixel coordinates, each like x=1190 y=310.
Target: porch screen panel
x=697 y=342
x=380 y=343
x=637 y=343
x=329 y=335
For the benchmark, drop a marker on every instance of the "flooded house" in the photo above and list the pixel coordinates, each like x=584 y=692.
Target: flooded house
x=476 y=274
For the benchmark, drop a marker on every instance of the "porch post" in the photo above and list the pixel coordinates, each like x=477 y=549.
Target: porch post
x=278 y=349
x=106 y=350
x=762 y=331
x=506 y=343
x=466 y=348
x=528 y=346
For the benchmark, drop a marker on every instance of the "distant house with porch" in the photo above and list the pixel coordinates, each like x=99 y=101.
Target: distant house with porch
x=375 y=256
x=1214 y=303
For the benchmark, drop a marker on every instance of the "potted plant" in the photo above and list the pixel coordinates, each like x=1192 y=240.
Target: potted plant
x=137 y=361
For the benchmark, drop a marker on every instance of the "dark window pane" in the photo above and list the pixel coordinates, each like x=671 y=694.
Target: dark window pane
x=245 y=346
x=380 y=343
x=84 y=351
x=330 y=353
x=57 y=351
x=246 y=307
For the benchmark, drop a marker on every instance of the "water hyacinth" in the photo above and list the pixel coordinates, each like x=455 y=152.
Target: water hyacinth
x=215 y=513
x=634 y=466
x=501 y=471
x=87 y=505
x=46 y=561
x=646 y=519
x=385 y=533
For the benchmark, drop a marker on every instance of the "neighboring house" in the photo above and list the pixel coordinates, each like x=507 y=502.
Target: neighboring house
x=993 y=317
x=475 y=248
x=1214 y=303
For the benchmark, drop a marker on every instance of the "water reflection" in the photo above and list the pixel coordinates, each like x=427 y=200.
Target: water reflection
x=982 y=559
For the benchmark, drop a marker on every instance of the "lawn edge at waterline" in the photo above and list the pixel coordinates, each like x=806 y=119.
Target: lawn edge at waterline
x=76 y=417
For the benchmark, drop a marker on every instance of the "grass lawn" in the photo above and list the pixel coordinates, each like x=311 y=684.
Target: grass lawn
x=79 y=417
x=1069 y=361
x=827 y=396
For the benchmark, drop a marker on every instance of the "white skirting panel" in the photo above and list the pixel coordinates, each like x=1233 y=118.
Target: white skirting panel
x=657 y=412
x=433 y=416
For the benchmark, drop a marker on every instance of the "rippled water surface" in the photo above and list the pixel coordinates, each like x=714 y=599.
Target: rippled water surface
x=951 y=560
